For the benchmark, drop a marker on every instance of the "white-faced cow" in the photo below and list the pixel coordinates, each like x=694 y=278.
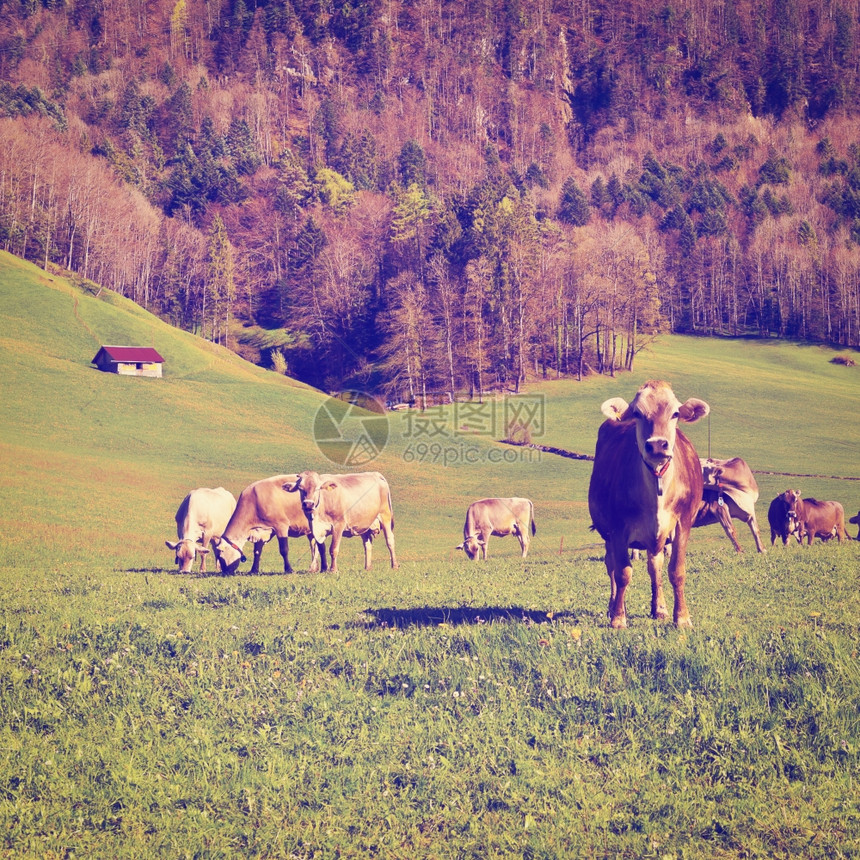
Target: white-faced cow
x=856 y=521
x=645 y=490
x=816 y=519
x=345 y=506
x=730 y=491
x=499 y=518
x=200 y=518
x=262 y=506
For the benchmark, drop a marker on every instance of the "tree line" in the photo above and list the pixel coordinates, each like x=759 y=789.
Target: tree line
x=431 y=198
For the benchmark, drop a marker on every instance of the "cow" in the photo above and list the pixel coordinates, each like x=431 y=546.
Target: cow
x=645 y=490
x=856 y=521
x=816 y=519
x=730 y=491
x=345 y=506
x=782 y=524
x=200 y=519
x=498 y=517
x=263 y=507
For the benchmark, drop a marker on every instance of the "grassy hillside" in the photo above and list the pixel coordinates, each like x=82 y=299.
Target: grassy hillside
x=446 y=709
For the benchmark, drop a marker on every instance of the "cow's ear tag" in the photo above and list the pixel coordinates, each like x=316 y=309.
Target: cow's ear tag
x=720 y=501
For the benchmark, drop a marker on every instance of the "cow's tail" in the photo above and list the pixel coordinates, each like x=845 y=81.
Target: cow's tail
x=534 y=525
x=391 y=508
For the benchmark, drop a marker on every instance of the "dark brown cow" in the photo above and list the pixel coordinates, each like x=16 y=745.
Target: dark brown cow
x=816 y=519
x=781 y=524
x=262 y=506
x=500 y=517
x=645 y=490
x=730 y=491
x=856 y=521
x=345 y=506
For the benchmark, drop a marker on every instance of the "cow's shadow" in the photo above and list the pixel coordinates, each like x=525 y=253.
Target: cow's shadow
x=433 y=616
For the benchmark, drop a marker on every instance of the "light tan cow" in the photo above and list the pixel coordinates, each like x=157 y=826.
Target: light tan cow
x=201 y=518
x=730 y=492
x=263 y=507
x=646 y=487
x=345 y=506
x=499 y=518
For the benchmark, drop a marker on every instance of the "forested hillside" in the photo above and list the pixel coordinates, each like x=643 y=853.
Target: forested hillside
x=429 y=196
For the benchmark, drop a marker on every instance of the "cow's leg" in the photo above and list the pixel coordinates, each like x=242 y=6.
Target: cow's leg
x=678 y=576
x=725 y=518
x=283 y=546
x=751 y=522
x=367 y=539
x=658 y=599
x=334 y=547
x=317 y=554
x=620 y=572
x=258 y=552
x=523 y=537
x=388 y=534
x=610 y=570
x=320 y=549
x=202 y=562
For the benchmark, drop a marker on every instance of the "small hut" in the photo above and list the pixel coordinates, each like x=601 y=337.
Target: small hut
x=129 y=360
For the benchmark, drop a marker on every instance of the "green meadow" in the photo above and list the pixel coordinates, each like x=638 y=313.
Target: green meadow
x=446 y=709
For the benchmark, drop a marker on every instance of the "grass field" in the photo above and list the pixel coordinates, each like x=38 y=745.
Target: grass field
x=445 y=709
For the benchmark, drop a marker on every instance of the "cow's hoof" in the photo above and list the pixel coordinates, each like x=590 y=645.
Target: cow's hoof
x=618 y=623
x=684 y=623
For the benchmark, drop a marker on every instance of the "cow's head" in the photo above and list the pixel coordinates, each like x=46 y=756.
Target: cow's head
x=471 y=546
x=656 y=411
x=855 y=520
x=185 y=550
x=791 y=498
x=228 y=554
x=309 y=485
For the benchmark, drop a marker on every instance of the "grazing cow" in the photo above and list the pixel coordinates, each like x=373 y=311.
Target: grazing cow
x=782 y=523
x=498 y=517
x=645 y=490
x=201 y=518
x=816 y=519
x=262 y=507
x=346 y=506
x=730 y=491
x=856 y=521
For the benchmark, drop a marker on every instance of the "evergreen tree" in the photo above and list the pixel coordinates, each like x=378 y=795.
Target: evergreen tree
x=573 y=207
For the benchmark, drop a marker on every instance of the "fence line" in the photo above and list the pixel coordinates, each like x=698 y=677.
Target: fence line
x=573 y=455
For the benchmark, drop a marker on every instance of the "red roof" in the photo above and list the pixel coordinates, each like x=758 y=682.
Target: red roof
x=129 y=354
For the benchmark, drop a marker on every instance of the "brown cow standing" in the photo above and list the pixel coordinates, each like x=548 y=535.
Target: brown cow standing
x=645 y=490
x=263 y=506
x=730 y=491
x=345 y=506
x=816 y=519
